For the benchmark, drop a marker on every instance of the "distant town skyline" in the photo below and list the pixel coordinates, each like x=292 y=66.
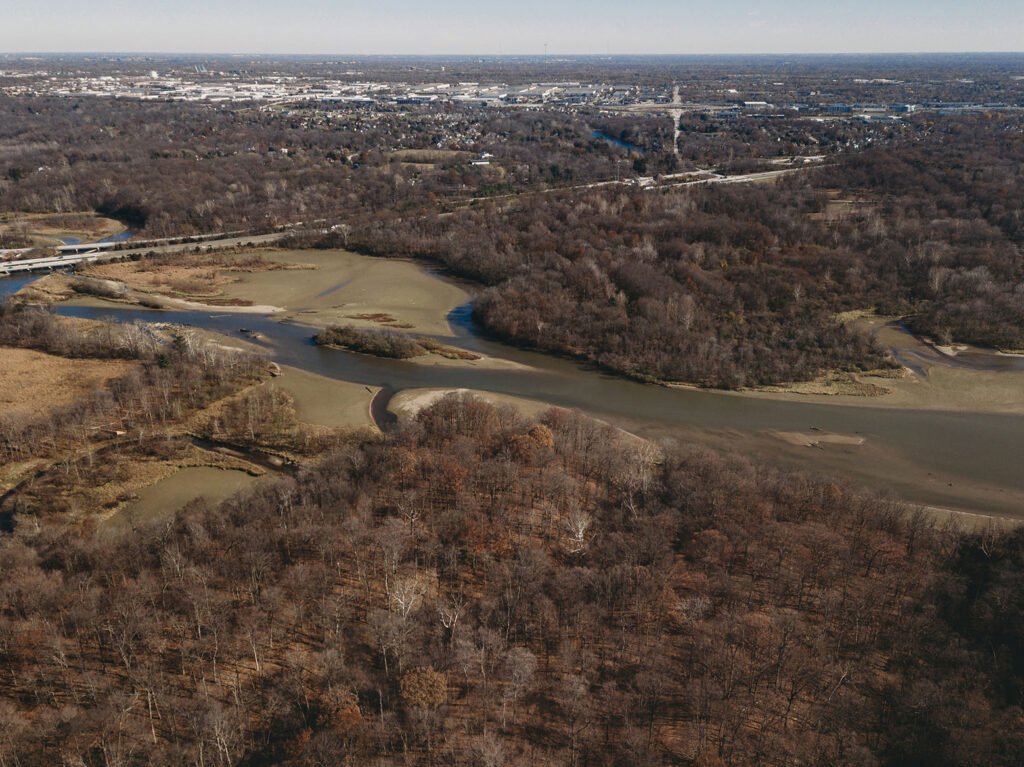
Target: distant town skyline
x=524 y=27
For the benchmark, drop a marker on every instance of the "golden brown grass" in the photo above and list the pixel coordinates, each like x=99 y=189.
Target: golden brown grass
x=33 y=384
x=190 y=276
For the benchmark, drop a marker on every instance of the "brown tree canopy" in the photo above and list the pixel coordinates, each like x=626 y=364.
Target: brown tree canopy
x=424 y=688
x=718 y=613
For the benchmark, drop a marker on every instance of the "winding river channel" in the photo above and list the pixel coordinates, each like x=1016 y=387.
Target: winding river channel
x=957 y=460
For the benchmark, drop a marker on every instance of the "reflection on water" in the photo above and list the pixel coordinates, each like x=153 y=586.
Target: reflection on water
x=9 y=285
x=118 y=237
x=127 y=234
x=615 y=141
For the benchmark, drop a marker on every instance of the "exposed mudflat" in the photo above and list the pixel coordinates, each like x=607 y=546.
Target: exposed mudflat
x=168 y=495
x=323 y=401
x=950 y=379
x=818 y=439
x=406 y=404
x=350 y=289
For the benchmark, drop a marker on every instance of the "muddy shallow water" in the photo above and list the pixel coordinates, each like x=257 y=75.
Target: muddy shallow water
x=965 y=460
x=172 y=493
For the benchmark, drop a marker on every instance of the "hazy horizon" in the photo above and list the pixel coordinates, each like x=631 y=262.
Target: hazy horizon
x=561 y=56
x=459 y=27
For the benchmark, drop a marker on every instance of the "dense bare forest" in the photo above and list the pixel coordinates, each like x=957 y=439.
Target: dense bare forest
x=731 y=286
x=171 y=169
x=481 y=589
x=184 y=168
x=667 y=286
x=946 y=240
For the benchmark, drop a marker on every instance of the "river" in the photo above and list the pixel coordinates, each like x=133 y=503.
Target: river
x=124 y=236
x=961 y=460
x=616 y=141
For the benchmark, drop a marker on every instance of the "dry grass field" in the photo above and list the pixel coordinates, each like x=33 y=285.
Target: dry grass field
x=33 y=383
x=187 y=276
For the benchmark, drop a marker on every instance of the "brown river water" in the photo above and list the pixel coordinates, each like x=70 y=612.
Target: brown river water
x=959 y=460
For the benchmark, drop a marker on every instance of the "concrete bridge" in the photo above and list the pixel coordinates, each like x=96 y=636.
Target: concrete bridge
x=89 y=247
x=70 y=255
x=48 y=264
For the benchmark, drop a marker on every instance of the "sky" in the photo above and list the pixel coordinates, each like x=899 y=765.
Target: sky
x=512 y=27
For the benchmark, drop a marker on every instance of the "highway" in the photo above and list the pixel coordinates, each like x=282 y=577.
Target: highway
x=71 y=255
